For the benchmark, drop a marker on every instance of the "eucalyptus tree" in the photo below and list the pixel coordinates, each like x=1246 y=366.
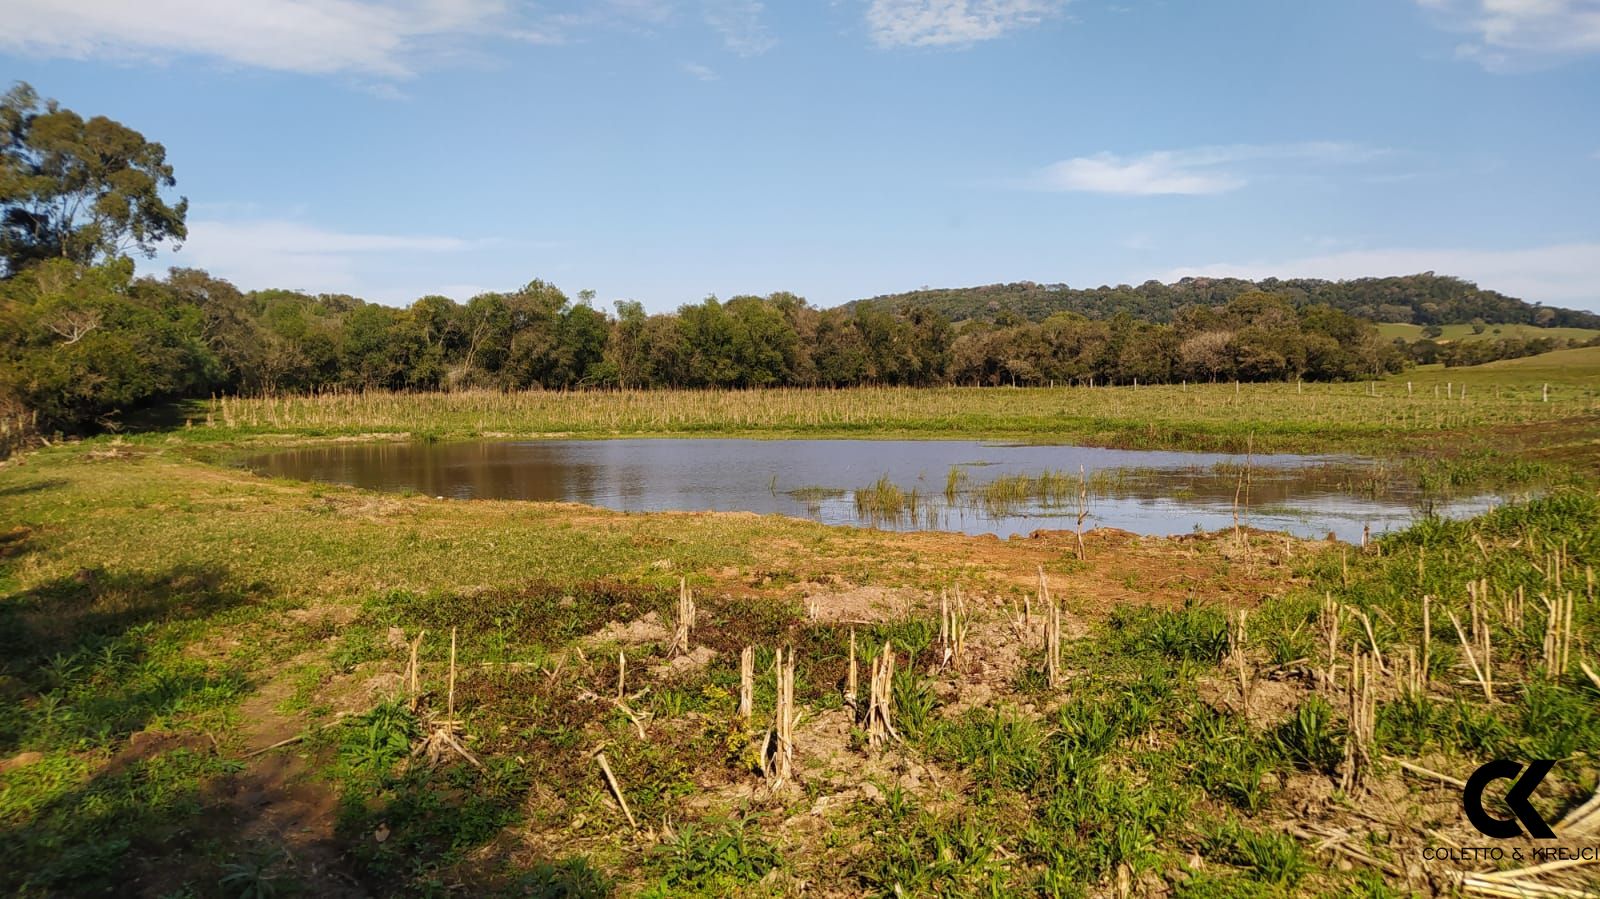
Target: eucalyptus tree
x=79 y=189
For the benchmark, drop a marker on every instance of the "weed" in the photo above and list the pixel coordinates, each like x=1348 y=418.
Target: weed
x=711 y=862
x=1273 y=858
x=1309 y=738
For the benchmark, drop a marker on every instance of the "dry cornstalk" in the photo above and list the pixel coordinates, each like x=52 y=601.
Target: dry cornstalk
x=747 y=681
x=635 y=717
x=441 y=738
x=450 y=707
x=685 y=627
x=1336 y=843
x=1427 y=638
x=880 y=717
x=1236 y=655
x=1590 y=673
x=1052 y=634
x=1518 y=874
x=947 y=653
x=1361 y=710
x=779 y=755
x=616 y=789
x=1480 y=635
x=1481 y=885
x=852 y=681
x=441 y=741
x=1328 y=621
x=1512 y=609
x=1582 y=819
x=1238 y=494
x=958 y=624
x=622 y=674
x=1412 y=680
x=1558 y=635
x=413 y=672
x=1488 y=691
x=1372 y=637
x=1430 y=774
x=952 y=627
x=1083 y=510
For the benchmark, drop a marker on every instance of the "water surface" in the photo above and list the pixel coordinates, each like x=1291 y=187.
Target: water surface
x=1147 y=492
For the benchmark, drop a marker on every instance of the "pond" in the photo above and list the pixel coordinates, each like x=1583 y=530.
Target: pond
x=967 y=486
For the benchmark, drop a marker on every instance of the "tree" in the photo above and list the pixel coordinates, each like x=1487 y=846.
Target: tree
x=230 y=331
x=76 y=189
x=580 y=347
x=81 y=344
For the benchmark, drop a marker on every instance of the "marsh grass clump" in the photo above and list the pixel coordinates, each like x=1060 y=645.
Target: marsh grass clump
x=955 y=482
x=882 y=501
x=1006 y=494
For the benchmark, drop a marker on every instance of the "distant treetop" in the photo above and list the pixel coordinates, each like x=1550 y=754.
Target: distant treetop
x=1423 y=299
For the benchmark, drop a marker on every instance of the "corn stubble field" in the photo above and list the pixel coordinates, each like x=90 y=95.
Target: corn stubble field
x=1282 y=417
x=221 y=685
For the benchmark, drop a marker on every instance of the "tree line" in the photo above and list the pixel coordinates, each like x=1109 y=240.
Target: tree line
x=83 y=342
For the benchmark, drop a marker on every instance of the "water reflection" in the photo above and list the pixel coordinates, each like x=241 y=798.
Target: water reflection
x=966 y=486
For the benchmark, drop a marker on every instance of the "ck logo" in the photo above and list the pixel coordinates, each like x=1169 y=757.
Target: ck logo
x=1516 y=799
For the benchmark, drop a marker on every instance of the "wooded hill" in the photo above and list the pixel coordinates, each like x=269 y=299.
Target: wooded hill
x=1425 y=299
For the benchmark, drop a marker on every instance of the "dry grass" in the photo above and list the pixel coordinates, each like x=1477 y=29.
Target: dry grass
x=1282 y=416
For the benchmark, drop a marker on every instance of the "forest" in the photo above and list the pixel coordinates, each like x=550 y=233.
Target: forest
x=1422 y=299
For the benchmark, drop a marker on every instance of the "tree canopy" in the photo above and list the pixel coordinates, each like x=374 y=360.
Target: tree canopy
x=1424 y=299
x=76 y=189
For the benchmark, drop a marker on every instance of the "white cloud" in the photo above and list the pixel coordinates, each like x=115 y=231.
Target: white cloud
x=277 y=253
x=696 y=70
x=1512 y=34
x=1202 y=170
x=739 y=23
x=379 y=41
x=933 y=23
x=364 y=37
x=1558 y=274
x=1153 y=173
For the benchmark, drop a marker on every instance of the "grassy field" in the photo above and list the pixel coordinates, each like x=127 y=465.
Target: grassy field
x=207 y=674
x=1276 y=417
x=1395 y=330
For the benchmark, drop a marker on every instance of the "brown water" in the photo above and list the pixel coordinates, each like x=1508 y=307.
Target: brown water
x=1147 y=492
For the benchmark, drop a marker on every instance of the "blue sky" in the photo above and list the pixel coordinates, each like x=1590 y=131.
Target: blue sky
x=663 y=150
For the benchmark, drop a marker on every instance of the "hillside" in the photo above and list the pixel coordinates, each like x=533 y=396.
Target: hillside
x=1574 y=364
x=1424 y=299
x=1468 y=333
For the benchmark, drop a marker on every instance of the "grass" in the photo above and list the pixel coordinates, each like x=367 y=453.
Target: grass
x=1395 y=330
